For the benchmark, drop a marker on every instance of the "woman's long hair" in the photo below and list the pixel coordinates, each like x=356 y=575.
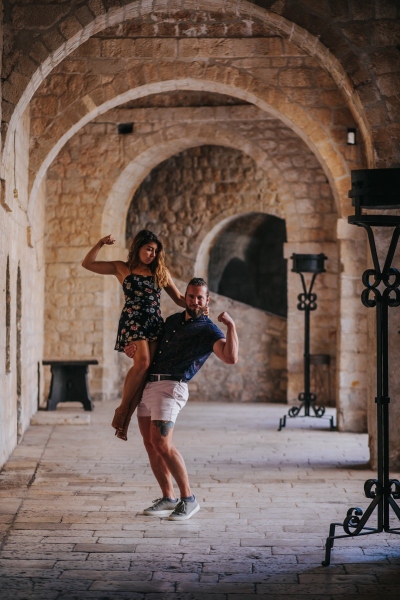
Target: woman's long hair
x=157 y=267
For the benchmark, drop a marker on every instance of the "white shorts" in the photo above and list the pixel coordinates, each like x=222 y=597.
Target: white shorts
x=163 y=400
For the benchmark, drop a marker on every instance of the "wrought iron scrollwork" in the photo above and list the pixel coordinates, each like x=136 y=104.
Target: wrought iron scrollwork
x=307 y=301
x=352 y=520
x=390 y=280
x=319 y=410
x=391 y=287
x=394 y=488
x=294 y=411
x=381 y=292
x=368 y=488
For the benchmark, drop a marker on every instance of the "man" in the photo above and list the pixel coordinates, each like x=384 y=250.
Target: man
x=188 y=340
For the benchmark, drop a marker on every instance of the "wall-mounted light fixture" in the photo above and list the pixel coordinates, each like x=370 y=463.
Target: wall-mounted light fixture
x=125 y=128
x=351 y=137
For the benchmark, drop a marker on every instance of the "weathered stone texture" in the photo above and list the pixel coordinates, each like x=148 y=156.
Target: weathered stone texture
x=117 y=65
x=339 y=69
x=79 y=523
x=185 y=196
x=182 y=200
x=203 y=185
x=354 y=37
x=21 y=348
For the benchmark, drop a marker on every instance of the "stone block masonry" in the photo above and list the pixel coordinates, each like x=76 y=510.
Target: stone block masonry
x=320 y=67
x=182 y=199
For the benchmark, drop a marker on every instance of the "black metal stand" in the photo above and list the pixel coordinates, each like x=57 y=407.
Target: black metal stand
x=383 y=491
x=69 y=382
x=307 y=303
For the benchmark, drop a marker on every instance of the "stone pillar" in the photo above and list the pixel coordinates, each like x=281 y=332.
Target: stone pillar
x=323 y=320
x=352 y=349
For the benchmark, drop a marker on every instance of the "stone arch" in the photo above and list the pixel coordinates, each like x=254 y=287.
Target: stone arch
x=203 y=253
x=77 y=34
x=243 y=86
x=158 y=149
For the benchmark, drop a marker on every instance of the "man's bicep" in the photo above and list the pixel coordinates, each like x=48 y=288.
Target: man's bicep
x=218 y=348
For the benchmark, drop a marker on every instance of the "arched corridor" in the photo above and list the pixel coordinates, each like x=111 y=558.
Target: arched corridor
x=234 y=109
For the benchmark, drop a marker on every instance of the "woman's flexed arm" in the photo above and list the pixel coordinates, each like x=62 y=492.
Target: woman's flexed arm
x=174 y=293
x=103 y=267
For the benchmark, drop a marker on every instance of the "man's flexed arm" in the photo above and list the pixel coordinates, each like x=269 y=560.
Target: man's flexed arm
x=227 y=349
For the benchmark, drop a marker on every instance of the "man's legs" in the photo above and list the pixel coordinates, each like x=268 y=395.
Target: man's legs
x=165 y=459
x=157 y=463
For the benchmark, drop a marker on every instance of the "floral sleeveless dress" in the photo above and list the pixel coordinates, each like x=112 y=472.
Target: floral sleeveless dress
x=141 y=316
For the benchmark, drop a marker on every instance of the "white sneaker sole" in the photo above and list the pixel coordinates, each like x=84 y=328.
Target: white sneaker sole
x=157 y=513
x=184 y=517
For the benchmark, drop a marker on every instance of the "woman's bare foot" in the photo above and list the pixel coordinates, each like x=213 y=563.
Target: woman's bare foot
x=119 y=418
x=121 y=435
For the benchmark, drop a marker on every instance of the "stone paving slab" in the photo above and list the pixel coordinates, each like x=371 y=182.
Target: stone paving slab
x=71 y=525
x=60 y=418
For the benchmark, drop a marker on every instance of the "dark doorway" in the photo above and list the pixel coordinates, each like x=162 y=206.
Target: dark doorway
x=247 y=263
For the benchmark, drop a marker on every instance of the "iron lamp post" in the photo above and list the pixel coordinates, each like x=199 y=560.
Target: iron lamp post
x=376 y=189
x=315 y=264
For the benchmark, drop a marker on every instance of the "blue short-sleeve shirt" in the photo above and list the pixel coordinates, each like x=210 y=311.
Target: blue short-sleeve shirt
x=185 y=346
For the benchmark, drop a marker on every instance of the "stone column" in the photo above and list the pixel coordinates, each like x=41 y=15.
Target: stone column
x=352 y=348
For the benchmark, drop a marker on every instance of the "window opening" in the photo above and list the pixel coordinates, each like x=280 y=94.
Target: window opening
x=8 y=317
x=18 y=355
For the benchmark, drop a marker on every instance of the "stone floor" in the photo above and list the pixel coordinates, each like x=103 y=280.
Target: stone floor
x=71 y=498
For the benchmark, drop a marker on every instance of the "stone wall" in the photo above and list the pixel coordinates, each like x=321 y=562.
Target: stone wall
x=270 y=72
x=21 y=299
x=187 y=194
x=204 y=185
x=318 y=67
x=353 y=348
x=82 y=308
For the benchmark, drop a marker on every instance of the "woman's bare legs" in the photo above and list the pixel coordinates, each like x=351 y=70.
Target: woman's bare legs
x=133 y=381
x=134 y=386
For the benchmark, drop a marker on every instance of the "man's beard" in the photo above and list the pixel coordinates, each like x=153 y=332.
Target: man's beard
x=195 y=313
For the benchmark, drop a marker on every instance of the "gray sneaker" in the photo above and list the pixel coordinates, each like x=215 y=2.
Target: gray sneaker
x=184 y=510
x=162 y=507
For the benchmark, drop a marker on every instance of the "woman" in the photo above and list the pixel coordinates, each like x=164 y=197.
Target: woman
x=142 y=276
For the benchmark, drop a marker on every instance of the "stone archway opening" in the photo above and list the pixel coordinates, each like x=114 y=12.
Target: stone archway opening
x=186 y=195
x=183 y=199
x=247 y=263
x=278 y=97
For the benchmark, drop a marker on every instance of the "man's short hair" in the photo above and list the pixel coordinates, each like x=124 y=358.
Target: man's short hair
x=198 y=281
